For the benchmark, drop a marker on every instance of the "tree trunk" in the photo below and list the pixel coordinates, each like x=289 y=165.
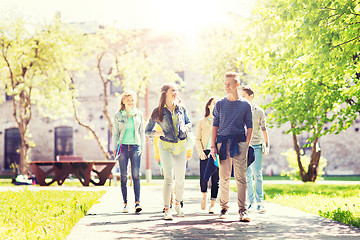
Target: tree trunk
x=298 y=156
x=105 y=83
x=22 y=116
x=106 y=153
x=313 y=168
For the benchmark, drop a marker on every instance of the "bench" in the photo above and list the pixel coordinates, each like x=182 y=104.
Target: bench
x=75 y=165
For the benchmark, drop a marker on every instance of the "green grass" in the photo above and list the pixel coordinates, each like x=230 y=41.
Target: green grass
x=336 y=202
x=325 y=178
x=43 y=214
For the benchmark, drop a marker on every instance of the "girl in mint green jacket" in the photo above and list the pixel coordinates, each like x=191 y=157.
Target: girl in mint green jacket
x=128 y=139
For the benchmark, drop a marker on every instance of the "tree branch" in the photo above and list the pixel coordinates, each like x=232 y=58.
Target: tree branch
x=358 y=37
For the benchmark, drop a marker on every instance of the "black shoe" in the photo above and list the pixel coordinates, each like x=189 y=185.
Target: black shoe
x=223 y=214
x=138 y=207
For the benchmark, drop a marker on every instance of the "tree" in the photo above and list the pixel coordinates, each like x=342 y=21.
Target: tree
x=311 y=51
x=33 y=64
x=122 y=58
x=220 y=51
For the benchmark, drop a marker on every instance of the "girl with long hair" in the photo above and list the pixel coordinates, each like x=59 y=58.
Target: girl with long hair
x=174 y=141
x=203 y=147
x=128 y=141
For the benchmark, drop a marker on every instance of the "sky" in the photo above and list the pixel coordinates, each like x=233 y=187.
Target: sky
x=128 y=13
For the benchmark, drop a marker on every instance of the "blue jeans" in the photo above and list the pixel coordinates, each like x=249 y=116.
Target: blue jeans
x=133 y=153
x=255 y=169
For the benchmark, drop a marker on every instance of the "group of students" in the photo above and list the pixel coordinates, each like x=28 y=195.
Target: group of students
x=230 y=125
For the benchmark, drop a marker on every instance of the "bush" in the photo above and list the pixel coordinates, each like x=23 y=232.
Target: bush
x=294 y=172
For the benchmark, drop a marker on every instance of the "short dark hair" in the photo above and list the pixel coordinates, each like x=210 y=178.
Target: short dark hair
x=249 y=90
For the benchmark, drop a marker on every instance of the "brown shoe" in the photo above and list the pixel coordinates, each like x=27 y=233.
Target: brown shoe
x=244 y=217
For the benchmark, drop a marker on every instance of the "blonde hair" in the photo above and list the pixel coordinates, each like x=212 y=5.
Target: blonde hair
x=233 y=75
x=126 y=94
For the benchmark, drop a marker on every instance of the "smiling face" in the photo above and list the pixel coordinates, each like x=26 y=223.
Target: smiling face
x=129 y=102
x=230 y=85
x=171 y=94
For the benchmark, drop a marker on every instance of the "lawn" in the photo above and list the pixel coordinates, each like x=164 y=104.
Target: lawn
x=337 y=202
x=43 y=214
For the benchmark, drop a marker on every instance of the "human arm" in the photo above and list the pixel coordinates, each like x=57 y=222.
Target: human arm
x=188 y=123
x=266 y=147
x=142 y=134
x=249 y=124
x=248 y=135
x=115 y=134
x=149 y=130
x=266 y=150
x=199 y=144
x=214 y=132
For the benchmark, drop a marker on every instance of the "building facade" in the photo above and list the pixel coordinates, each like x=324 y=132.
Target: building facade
x=67 y=137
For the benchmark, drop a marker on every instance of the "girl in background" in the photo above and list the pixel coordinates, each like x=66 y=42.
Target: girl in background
x=203 y=147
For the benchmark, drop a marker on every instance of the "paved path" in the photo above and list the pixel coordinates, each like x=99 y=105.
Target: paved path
x=105 y=220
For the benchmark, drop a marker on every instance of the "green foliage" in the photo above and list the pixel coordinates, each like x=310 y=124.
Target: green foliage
x=220 y=50
x=311 y=50
x=294 y=172
x=43 y=214
x=34 y=65
x=336 y=202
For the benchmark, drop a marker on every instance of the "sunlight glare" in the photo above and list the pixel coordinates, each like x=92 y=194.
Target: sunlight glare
x=188 y=17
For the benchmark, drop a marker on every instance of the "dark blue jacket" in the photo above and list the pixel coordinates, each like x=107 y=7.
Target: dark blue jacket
x=167 y=125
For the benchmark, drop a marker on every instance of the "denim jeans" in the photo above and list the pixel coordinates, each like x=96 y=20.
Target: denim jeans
x=133 y=153
x=255 y=169
x=173 y=165
x=214 y=177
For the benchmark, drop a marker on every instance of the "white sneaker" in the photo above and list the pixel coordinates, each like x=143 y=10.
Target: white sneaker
x=125 y=209
x=261 y=208
x=211 y=209
x=251 y=207
x=203 y=204
x=168 y=215
x=179 y=209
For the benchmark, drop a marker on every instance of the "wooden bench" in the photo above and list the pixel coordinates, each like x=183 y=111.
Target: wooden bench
x=75 y=165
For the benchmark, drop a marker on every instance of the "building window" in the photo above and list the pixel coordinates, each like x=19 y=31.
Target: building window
x=181 y=74
x=63 y=141
x=12 y=146
x=109 y=141
x=8 y=97
x=114 y=88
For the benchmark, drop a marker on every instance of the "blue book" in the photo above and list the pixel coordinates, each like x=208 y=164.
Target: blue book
x=216 y=160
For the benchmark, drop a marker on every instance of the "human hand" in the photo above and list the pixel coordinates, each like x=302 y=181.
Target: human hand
x=202 y=156
x=265 y=149
x=213 y=152
x=159 y=134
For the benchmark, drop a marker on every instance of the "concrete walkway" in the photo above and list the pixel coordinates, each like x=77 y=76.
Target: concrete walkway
x=105 y=220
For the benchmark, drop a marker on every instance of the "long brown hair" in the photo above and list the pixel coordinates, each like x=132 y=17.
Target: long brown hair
x=207 y=109
x=157 y=114
x=125 y=95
